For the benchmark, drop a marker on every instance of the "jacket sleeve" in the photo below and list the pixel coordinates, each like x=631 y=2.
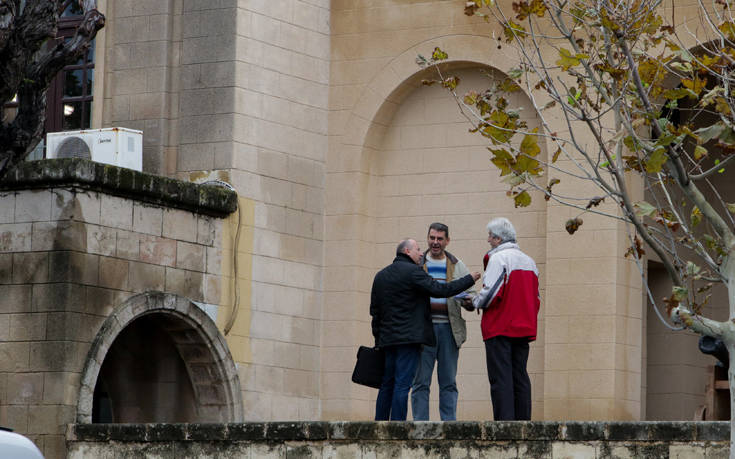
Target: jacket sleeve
x=424 y=282
x=492 y=281
x=375 y=312
x=461 y=270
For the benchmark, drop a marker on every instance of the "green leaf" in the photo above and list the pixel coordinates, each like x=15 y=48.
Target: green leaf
x=522 y=199
x=679 y=93
x=692 y=269
x=696 y=216
x=644 y=209
x=679 y=293
x=656 y=161
x=710 y=132
x=502 y=160
x=730 y=207
x=515 y=73
x=514 y=180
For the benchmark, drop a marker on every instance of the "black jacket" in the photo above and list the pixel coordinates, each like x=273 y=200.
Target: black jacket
x=399 y=302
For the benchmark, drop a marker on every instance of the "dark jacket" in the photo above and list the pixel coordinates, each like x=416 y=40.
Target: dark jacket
x=399 y=302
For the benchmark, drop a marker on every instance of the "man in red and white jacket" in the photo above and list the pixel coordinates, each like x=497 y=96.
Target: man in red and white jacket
x=510 y=303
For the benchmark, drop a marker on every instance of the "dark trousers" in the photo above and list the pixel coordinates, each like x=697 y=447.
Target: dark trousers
x=400 y=368
x=510 y=386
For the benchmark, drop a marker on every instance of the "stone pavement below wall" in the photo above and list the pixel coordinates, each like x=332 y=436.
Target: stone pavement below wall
x=531 y=439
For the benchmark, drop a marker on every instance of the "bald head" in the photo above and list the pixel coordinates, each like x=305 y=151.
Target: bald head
x=411 y=248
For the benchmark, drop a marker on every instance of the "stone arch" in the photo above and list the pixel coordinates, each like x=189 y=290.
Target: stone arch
x=363 y=234
x=195 y=337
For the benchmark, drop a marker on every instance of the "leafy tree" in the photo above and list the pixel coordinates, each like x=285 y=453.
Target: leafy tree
x=639 y=110
x=30 y=57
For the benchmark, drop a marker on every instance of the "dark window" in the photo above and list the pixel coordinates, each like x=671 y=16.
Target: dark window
x=69 y=97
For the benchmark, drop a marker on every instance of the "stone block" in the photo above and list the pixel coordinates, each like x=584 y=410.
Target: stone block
x=45 y=419
x=6 y=268
x=15 y=356
x=101 y=301
x=190 y=256
x=180 y=225
x=145 y=277
x=66 y=266
x=7 y=207
x=101 y=240
x=147 y=219
x=128 y=245
x=189 y=284
x=116 y=212
x=58 y=356
x=16 y=298
x=25 y=388
x=27 y=327
x=16 y=237
x=60 y=388
x=58 y=297
x=33 y=206
x=30 y=267
x=158 y=251
x=15 y=417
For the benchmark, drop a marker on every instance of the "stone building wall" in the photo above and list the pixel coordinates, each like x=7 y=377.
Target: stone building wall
x=75 y=243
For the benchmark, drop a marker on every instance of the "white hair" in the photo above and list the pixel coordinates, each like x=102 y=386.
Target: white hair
x=502 y=228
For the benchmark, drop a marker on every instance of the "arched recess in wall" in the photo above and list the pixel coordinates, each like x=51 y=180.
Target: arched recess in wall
x=677 y=373
x=159 y=358
x=406 y=159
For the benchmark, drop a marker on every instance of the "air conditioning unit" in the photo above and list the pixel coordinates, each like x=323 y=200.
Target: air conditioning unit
x=117 y=146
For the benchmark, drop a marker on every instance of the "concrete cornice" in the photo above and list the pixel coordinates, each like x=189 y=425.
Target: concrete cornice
x=522 y=431
x=50 y=173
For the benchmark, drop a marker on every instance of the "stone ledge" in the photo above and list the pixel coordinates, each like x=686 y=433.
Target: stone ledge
x=203 y=199
x=317 y=431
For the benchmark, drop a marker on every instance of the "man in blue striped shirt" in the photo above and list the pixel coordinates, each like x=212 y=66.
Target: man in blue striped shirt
x=449 y=328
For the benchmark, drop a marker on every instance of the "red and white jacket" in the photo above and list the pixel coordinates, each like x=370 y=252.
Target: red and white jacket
x=509 y=297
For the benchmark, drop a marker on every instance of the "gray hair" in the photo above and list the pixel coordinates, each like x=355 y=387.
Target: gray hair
x=502 y=228
x=403 y=245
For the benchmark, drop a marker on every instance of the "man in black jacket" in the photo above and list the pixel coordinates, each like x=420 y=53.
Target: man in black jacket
x=399 y=306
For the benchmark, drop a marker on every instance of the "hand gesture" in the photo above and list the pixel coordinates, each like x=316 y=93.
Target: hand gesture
x=476 y=275
x=467 y=304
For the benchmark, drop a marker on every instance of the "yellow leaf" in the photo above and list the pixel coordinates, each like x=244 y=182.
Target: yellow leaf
x=696 y=85
x=699 y=152
x=567 y=60
x=438 y=54
x=556 y=155
x=513 y=30
x=696 y=216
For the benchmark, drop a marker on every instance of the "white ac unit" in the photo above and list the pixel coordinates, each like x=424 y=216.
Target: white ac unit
x=117 y=146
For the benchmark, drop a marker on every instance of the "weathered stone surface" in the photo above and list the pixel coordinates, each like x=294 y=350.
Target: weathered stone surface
x=204 y=199
x=553 y=440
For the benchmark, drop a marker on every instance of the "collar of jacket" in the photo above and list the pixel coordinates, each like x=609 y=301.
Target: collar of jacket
x=504 y=246
x=403 y=257
x=449 y=256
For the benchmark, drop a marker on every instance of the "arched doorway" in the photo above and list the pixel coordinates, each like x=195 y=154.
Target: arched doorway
x=159 y=358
